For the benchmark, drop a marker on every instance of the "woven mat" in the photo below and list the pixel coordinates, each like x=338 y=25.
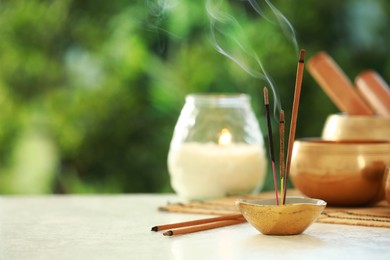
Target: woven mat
x=377 y=215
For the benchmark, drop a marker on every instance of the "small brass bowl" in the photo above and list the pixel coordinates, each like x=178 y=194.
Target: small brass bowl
x=343 y=173
x=290 y=219
x=348 y=127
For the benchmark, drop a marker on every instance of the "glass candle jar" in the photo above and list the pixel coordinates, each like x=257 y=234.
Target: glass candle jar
x=217 y=148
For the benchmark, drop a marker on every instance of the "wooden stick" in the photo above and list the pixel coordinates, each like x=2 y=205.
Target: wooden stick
x=207 y=226
x=196 y=222
x=375 y=91
x=281 y=150
x=294 y=115
x=270 y=142
x=337 y=85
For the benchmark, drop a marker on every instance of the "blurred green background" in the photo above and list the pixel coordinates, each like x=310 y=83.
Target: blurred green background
x=90 y=90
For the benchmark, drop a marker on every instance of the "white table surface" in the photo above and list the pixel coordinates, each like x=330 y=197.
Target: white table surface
x=118 y=227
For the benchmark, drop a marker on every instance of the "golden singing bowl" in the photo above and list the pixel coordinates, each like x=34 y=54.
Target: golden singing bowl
x=347 y=127
x=343 y=173
x=387 y=183
x=290 y=219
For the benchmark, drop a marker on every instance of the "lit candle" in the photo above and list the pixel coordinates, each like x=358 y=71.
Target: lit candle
x=209 y=170
x=225 y=137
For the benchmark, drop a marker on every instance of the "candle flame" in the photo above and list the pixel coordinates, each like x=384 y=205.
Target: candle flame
x=225 y=137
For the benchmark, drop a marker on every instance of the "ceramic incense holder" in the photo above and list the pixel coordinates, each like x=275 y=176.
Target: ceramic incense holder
x=290 y=219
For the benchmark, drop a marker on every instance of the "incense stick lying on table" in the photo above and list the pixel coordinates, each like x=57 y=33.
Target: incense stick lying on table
x=199 y=225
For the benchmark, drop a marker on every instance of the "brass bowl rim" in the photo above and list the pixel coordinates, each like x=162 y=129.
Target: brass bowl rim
x=291 y=201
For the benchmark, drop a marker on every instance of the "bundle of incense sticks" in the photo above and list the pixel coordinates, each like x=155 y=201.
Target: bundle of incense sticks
x=199 y=225
x=284 y=171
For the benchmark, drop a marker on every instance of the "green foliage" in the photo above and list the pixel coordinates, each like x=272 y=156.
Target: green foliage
x=90 y=91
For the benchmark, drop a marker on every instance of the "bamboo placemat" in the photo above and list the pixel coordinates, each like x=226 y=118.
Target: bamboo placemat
x=377 y=215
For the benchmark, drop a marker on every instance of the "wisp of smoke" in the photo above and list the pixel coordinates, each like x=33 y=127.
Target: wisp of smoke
x=157 y=11
x=284 y=24
x=228 y=39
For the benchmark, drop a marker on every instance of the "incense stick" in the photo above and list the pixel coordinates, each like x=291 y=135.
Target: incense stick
x=270 y=142
x=281 y=150
x=294 y=115
x=201 y=227
x=196 y=222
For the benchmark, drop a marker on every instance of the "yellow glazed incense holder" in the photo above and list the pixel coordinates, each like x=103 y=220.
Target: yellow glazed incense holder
x=293 y=218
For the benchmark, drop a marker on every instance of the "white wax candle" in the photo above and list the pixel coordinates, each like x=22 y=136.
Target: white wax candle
x=207 y=170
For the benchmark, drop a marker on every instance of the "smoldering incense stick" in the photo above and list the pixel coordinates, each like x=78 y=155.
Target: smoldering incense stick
x=270 y=141
x=281 y=150
x=294 y=115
